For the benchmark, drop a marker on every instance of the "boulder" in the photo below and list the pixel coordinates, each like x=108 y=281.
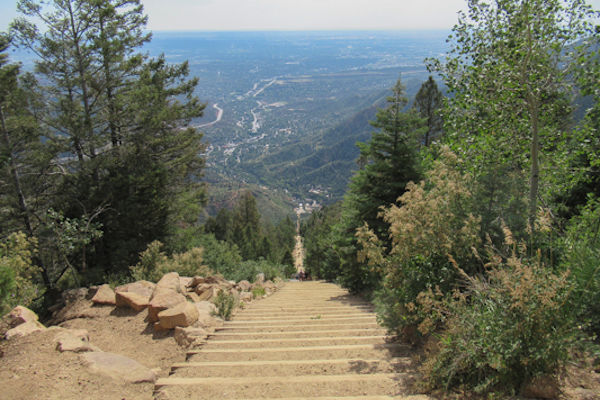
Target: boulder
x=132 y=300
x=246 y=297
x=74 y=340
x=73 y=295
x=24 y=329
x=104 y=295
x=170 y=281
x=118 y=367
x=269 y=285
x=184 y=282
x=19 y=315
x=541 y=387
x=207 y=316
x=208 y=292
x=185 y=337
x=192 y=296
x=197 y=280
x=219 y=281
x=260 y=278
x=163 y=299
x=184 y=314
x=143 y=288
x=244 y=286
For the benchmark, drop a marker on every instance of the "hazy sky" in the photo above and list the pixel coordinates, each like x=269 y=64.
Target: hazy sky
x=292 y=14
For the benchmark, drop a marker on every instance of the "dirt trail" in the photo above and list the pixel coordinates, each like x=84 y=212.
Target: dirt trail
x=311 y=340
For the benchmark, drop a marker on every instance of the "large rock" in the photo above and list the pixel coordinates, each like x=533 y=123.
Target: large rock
x=244 y=286
x=133 y=300
x=185 y=337
x=118 y=367
x=246 y=297
x=207 y=316
x=24 y=329
x=184 y=282
x=73 y=295
x=163 y=299
x=104 y=295
x=207 y=292
x=260 y=278
x=170 y=281
x=19 y=315
x=143 y=288
x=74 y=340
x=184 y=314
x=219 y=281
x=196 y=280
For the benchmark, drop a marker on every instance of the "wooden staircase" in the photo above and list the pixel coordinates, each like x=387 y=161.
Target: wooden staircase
x=310 y=340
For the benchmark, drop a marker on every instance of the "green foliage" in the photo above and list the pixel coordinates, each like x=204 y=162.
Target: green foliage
x=581 y=254
x=431 y=224
x=220 y=256
x=428 y=103
x=153 y=263
x=388 y=162
x=515 y=324
x=225 y=303
x=258 y=291
x=117 y=149
x=510 y=73
x=321 y=260
x=18 y=274
x=247 y=270
x=255 y=238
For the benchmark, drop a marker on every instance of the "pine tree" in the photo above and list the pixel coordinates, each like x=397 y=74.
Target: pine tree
x=121 y=122
x=428 y=103
x=388 y=162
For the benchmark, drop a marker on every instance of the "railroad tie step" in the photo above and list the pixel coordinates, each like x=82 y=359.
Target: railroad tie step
x=174 y=381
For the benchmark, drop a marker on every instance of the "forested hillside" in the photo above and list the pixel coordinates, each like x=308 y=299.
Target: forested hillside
x=477 y=234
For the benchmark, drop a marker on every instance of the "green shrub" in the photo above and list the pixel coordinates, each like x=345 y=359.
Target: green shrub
x=258 y=291
x=247 y=270
x=502 y=330
x=18 y=275
x=154 y=263
x=582 y=255
x=225 y=303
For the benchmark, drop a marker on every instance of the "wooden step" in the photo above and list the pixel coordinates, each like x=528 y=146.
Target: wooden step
x=172 y=381
x=300 y=342
x=291 y=367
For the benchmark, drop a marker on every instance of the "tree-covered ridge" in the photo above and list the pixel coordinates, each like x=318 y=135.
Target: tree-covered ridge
x=484 y=248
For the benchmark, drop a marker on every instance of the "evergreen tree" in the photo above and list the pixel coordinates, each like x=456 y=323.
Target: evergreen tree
x=121 y=122
x=388 y=162
x=428 y=103
x=247 y=232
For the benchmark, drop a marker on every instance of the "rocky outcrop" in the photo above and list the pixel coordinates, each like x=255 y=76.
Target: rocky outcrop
x=104 y=296
x=133 y=300
x=185 y=337
x=21 y=321
x=134 y=295
x=184 y=314
x=163 y=299
x=143 y=288
x=118 y=367
x=24 y=329
x=73 y=340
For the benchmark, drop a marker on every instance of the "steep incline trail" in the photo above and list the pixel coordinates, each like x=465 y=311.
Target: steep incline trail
x=310 y=340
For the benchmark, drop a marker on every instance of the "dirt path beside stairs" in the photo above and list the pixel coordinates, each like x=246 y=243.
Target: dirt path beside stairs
x=310 y=340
